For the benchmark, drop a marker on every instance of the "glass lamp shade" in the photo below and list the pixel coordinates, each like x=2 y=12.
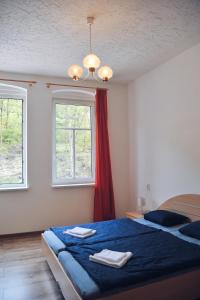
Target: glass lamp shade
x=91 y=62
x=105 y=73
x=75 y=72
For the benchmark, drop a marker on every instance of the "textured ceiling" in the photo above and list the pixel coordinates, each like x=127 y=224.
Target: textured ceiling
x=46 y=36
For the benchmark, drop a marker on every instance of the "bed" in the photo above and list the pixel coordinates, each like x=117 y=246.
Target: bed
x=182 y=284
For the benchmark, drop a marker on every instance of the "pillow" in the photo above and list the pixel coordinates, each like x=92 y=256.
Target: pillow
x=165 y=217
x=192 y=230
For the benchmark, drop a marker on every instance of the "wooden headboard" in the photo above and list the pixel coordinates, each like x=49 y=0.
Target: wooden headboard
x=188 y=205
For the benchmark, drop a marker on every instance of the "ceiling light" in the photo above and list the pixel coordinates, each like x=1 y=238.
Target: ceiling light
x=91 y=62
x=75 y=72
x=105 y=73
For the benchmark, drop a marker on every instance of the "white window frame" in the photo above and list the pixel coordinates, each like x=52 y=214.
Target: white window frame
x=18 y=93
x=73 y=182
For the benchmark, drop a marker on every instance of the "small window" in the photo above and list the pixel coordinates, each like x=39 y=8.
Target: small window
x=73 y=147
x=13 y=172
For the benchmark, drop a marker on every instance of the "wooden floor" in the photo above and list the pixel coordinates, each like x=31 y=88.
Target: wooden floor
x=24 y=273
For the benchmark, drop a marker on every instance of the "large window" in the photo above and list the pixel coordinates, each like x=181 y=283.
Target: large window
x=12 y=137
x=73 y=147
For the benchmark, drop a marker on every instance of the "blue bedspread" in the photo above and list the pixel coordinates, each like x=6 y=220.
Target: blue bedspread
x=156 y=254
x=105 y=231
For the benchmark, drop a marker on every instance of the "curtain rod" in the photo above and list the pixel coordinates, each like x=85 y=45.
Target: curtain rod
x=29 y=82
x=49 y=84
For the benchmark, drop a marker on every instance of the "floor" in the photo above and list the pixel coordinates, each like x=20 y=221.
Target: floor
x=24 y=273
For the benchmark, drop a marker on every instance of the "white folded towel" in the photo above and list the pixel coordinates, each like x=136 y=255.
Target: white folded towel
x=80 y=232
x=112 y=256
x=106 y=262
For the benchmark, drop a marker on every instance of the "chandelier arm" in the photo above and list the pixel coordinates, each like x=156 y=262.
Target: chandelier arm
x=86 y=77
x=95 y=77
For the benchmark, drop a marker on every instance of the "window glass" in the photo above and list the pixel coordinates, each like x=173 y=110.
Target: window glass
x=11 y=142
x=74 y=143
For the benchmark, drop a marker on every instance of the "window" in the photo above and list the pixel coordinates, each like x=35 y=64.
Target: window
x=73 y=147
x=13 y=172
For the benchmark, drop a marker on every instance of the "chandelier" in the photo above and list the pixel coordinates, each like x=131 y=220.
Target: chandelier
x=91 y=62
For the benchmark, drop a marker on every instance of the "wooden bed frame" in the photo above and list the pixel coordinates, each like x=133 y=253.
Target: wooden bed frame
x=185 y=286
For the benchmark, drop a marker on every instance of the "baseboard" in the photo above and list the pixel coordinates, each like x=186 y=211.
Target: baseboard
x=20 y=234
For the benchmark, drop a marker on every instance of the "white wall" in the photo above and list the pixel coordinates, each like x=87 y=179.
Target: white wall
x=41 y=205
x=164 y=121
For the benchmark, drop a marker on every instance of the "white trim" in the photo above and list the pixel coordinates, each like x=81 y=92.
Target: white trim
x=12 y=87
x=25 y=136
x=74 y=94
x=23 y=98
x=10 y=90
x=76 y=101
x=83 y=181
x=89 y=184
x=14 y=188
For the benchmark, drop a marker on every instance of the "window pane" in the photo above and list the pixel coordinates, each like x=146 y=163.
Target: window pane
x=83 y=154
x=72 y=116
x=64 y=154
x=73 y=151
x=11 y=140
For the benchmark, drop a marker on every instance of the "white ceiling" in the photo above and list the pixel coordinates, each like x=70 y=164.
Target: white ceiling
x=132 y=36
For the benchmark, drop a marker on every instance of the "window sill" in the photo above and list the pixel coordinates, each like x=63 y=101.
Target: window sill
x=14 y=188
x=89 y=184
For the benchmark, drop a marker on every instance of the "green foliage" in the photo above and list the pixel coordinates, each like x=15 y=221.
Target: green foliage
x=10 y=141
x=72 y=116
x=10 y=121
x=73 y=127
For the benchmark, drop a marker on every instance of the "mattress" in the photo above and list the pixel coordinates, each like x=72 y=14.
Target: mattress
x=54 y=242
x=84 y=284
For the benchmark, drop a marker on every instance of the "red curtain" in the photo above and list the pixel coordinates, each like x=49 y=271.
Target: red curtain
x=104 y=208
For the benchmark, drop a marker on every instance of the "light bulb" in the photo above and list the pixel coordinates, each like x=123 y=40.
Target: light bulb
x=105 y=73
x=75 y=72
x=91 y=62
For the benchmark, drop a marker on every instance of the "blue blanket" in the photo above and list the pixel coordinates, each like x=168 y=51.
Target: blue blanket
x=156 y=254
x=105 y=231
